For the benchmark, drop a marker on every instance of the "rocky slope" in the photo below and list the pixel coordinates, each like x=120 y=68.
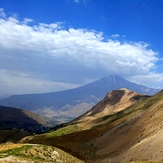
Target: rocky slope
x=114 y=102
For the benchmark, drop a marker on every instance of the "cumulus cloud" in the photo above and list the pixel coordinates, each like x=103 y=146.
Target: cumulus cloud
x=52 y=53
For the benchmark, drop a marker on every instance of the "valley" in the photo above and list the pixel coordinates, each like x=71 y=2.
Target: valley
x=124 y=126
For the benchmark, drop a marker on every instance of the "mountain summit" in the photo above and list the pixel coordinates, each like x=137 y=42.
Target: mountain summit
x=115 y=101
x=73 y=102
x=115 y=82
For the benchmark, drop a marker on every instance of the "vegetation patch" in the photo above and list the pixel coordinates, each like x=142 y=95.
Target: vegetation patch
x=34 y=153
x=64 y=131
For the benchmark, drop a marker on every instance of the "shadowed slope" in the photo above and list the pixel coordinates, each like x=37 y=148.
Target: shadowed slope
x=17 y=123
x=19 y=117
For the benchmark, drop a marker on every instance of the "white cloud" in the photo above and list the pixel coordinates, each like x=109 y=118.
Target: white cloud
x=115 y=36
x=153 y=80
x=27 y=21
x=2 y=13
x=18 y=83
x=53 y=53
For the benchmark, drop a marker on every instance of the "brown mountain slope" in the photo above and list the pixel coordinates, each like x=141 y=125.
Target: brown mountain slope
x=86 y=134
x=128 y=130
x=114 y=102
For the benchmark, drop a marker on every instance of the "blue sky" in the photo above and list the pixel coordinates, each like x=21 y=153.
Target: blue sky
x=53 y=45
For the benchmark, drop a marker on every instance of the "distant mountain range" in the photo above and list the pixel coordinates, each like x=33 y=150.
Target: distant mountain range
x=63 y=105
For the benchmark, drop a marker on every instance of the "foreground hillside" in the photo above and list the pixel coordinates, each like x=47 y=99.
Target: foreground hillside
x=26 y=153
x=15 y=124
x=124 y=126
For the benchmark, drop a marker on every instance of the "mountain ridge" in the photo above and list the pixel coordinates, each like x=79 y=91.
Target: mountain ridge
x=73 y=102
